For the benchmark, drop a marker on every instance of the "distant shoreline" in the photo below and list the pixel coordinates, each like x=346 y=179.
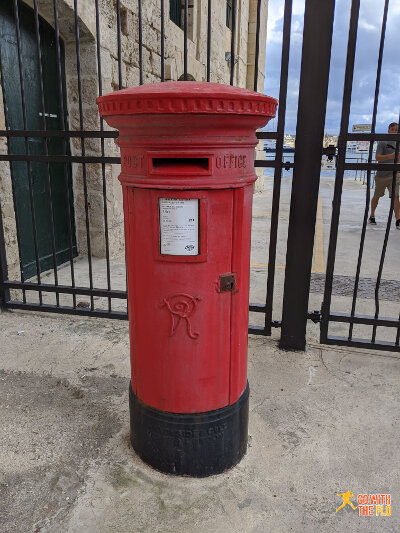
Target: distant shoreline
x=288 y=157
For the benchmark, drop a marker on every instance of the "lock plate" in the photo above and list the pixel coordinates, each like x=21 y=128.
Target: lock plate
x=227 y=282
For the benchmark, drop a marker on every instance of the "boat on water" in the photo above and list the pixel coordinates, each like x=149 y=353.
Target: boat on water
x=270 y=146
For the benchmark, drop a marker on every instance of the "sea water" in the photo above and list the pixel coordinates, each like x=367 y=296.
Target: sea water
x=351 y=157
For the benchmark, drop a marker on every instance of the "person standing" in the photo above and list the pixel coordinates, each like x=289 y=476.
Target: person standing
x=384 y=178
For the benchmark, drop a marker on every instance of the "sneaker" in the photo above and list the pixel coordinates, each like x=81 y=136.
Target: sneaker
x=398 y=224
x=373 y=221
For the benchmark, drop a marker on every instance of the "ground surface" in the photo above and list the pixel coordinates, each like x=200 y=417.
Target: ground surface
x=321 y=422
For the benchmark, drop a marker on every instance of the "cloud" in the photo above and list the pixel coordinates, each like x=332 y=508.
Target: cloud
x=367 y=25
x=365 y=71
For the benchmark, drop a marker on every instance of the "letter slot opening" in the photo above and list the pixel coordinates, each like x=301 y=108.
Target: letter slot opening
x=181 y=165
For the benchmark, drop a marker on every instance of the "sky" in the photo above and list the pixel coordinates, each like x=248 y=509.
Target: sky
x=369 y=30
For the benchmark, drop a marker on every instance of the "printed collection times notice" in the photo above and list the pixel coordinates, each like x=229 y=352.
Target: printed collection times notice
x=179 y=226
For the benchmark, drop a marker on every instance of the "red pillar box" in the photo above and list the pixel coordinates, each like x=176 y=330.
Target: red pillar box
x=187 y=155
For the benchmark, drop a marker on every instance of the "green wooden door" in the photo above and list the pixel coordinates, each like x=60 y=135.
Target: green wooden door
x=60 y=173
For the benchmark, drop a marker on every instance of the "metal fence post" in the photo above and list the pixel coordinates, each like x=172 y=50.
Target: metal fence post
x=4 y=292
x=313 y=92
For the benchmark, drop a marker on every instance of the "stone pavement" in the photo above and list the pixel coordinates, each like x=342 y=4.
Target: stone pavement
x=322 y=422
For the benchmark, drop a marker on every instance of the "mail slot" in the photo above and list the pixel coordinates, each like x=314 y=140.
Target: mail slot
x=180 y=165
x=187 y=158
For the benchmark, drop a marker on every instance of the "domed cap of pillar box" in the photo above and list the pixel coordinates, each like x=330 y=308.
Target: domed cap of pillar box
x=187 y=97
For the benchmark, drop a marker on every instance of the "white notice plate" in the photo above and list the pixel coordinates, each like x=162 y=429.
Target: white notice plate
x=179 y=226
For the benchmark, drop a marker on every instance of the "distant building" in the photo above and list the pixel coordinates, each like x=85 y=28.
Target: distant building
x=330 y=140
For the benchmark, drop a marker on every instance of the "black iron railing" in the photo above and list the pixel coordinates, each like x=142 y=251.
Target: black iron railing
x=86 y=149
x=352 y=318
x=84 y=160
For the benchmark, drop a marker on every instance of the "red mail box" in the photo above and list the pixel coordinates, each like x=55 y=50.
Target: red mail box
x=187 y=153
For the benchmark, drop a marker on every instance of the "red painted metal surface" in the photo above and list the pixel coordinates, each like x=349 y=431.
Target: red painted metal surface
x=188 y=141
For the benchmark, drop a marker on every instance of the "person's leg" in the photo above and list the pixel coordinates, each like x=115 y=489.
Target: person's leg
x=396 y=205
x=380 y=186
x=374 y=203
x=396 y=208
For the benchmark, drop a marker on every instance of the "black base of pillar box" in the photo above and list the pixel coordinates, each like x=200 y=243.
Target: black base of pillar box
x=198 y=445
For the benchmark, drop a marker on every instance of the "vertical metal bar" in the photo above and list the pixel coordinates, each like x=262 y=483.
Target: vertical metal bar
x=257 y=45
x=81 y=125
x=30 y=184
x=209 y=39
x=314 y=78
x=278 y=168
x=64 y=144
x=368 y=191
x=46 y=152
x=185 y=40
x=385 y=241
x=341 y=158
x=398 y=329
x=140 y=42
x=233 y=40
x=384 y=246
x=12 y=177
x=118 y=7
x=162 y=41
x=103 y=166
x=4 y=292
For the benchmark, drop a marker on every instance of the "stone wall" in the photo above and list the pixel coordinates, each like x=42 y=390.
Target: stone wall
x=7 y=205
x=252 y=32
x=97 y=177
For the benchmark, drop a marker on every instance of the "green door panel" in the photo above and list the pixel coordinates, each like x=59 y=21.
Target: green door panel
x=59 y=173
